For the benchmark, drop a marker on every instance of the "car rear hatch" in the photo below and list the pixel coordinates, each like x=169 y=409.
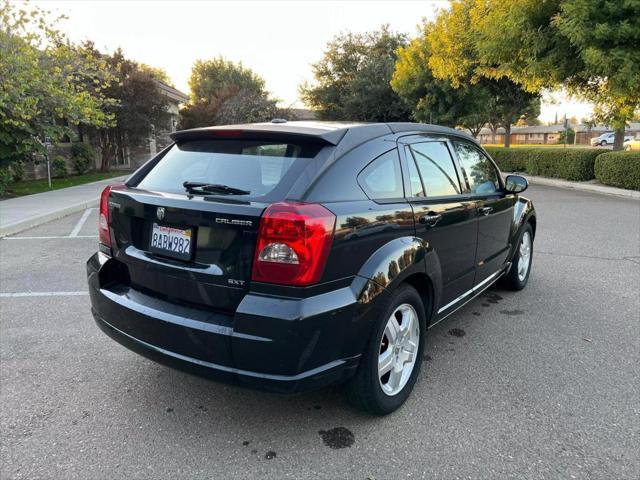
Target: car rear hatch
x=196 y=245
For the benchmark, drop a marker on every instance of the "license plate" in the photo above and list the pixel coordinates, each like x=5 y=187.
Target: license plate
x=171 y=241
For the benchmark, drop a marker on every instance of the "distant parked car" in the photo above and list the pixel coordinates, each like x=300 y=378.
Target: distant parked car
x=607 y=139
x=633 y=144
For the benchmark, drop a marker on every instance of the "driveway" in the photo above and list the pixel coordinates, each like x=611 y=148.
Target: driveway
x=543 y=383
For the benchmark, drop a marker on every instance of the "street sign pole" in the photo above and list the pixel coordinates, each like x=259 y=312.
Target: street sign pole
x=47 y=142
x=48 y=168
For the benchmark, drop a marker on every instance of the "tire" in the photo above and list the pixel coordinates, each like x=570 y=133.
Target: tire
x=365 y=391
x=514 y=280
x=603 y=143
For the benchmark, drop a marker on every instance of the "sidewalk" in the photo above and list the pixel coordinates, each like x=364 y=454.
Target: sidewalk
x=17 y=214
x=590 y=186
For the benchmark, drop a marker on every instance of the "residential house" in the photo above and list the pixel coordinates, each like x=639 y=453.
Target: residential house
x=525 y=135
x=550 y=134
x=487 y=136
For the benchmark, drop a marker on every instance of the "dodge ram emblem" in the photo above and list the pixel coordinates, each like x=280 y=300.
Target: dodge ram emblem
x=160 y=213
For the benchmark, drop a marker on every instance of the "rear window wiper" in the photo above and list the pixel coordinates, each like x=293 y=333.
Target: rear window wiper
x=200 y=187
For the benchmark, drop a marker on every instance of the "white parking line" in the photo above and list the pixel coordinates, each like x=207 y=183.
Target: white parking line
x=80 y=224
x=49 y=237
x=42 y=294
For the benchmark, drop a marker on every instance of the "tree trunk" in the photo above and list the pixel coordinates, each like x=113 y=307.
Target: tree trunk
x=119 y=147
x=494 y=130
x=475 y=130
x=507 y=135
x=107 y=149
x=618 y=140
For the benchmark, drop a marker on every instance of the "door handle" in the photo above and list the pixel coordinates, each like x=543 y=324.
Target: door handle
x=486 y=210
x=430 y=219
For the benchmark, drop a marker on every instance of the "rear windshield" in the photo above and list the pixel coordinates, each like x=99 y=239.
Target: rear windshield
x=256 y=166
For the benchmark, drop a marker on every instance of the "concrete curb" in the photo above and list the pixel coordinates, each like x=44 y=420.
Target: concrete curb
x=40 y=219
x=582 y=186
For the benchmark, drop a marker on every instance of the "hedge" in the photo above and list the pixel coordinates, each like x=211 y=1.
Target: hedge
x=508 y=159
x=568 y=163
x=619 y=169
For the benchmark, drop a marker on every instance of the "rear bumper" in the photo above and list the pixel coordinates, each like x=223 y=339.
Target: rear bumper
x=277 y=344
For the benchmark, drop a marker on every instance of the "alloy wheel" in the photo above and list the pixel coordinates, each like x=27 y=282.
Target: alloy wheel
x=525 y=256
x=398 y=349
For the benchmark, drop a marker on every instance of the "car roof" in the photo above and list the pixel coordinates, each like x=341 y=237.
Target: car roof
x=347 y=134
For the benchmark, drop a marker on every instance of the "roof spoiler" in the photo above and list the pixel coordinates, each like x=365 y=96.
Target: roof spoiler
x=261 y=132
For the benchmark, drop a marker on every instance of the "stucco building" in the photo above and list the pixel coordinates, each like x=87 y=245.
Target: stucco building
x=131 y=156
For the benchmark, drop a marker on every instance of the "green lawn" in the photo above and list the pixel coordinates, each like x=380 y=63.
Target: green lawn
x=29 y=187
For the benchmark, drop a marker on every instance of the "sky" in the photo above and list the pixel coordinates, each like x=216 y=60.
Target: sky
x=279 y=40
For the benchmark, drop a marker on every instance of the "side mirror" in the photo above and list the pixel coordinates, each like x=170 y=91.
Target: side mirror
x=515 y=184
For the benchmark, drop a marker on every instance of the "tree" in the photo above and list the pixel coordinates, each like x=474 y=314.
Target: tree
x=248 y=107
x=158 y=73
x=506 y=103
x=45 y=84
x=468 y=103
x=454 y=58
x=588 y=47
x=352 y=79
x=434 y=100
x=224 y=92
x=136 y=104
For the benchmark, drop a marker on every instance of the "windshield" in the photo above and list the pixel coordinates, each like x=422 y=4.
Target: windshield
x=250 y=165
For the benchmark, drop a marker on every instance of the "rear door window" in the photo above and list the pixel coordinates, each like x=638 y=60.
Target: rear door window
x=436 y=169
x=382 y=178
x=417 y=189
x=256 y=166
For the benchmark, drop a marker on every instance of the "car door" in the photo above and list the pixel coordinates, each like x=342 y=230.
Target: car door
x=495 y=209
x=444 y=219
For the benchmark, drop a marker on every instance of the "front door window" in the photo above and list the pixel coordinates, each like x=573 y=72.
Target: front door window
x=478 y=169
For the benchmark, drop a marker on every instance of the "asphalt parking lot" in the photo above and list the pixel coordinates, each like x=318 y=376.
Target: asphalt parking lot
x=544 y=383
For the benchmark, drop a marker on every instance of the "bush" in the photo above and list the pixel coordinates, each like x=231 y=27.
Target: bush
x=82 y=157
x=5 y=180
x=59 y=166
x=568 y=163
x=571 y=136
x=17 y=171
x=619 y=169
x=508 y=159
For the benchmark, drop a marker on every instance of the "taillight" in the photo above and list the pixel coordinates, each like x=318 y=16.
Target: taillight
x=103 y=221
x=293 y=243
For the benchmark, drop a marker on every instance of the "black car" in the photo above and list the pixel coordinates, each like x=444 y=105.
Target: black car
x=288 y=256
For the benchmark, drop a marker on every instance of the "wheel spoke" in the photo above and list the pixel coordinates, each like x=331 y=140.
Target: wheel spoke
x=392 y=329
x=407 y=357
x=407 y=322
x=410 y=346
x=394 y=379
x=385 y=362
